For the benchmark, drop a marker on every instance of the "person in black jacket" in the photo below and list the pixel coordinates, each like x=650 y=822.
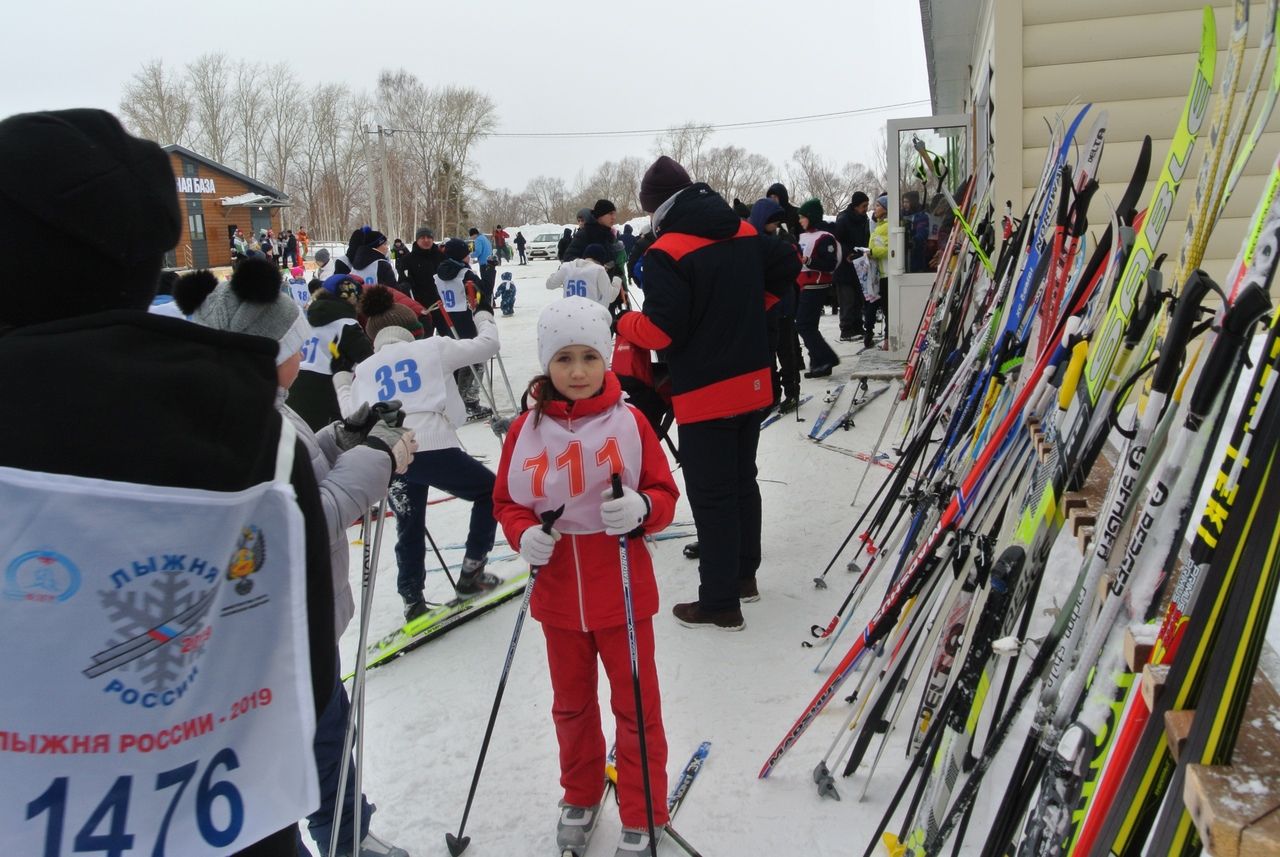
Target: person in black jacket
x=420 y=266
x=520 y=242
x=852 y=230
x=371 y=264
x=339 y=344
x=162 y=403
x=790 y=214
x=597 y=228
x=562 y=246
x=705 y=282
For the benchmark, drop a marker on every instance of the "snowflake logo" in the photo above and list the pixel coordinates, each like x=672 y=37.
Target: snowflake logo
x=148 y=619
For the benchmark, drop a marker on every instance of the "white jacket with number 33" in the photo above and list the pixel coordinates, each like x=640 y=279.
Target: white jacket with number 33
x=586 y=279
x=420 y=375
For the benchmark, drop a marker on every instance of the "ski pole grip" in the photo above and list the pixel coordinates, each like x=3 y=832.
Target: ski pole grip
x=1250 y=305
x=616 y=481
x=549 y=518
x=1072 y=377
x=1083 y=198
x=1148 y=305
x=1064 y=200
x=1175 y=339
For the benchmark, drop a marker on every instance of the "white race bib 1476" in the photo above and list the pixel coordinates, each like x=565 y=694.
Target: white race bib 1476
x=157 y=693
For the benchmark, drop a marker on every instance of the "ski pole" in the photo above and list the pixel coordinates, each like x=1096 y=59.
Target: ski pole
x=356 y=714
x=624 y=557
x=444 y=565
x=502 y=367
x=458 y=843
x=453 y=331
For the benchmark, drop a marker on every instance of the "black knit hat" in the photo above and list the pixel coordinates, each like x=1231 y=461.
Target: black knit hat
x=858 y=198
x=602 y=207
x=108 y=197
x=661 y=181
x=456 y=249
x=597 y=253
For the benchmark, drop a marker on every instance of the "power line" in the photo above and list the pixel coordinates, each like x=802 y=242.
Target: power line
x=645 y=132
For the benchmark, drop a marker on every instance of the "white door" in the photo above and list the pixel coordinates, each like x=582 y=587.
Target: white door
x=916 y=208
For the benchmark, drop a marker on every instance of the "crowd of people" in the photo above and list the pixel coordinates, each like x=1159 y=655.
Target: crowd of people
x=350 y=386
x=287 y=250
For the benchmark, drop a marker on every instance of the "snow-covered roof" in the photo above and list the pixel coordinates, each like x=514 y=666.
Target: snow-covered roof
x=253 y=199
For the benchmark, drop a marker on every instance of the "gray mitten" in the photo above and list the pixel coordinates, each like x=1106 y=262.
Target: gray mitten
x=397 y=442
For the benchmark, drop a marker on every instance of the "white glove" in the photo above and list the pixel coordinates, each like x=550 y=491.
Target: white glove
x=536 y=546
x=623 y=514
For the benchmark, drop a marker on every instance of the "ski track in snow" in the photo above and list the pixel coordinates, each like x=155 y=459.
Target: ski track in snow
x=426 y=712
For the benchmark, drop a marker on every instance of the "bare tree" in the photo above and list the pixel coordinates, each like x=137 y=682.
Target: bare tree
x=246 y=100
x=155 y=105
x=812 y=176
x=735 y=173
x=550 y=199
x=284 y=123
x=209 y=84
x=684 y=144
x=616 y=181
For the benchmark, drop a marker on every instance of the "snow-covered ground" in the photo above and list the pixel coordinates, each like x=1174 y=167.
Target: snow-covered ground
x=427 y=710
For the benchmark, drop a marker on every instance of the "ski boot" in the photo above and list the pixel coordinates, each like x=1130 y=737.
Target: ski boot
x=573 y=831
x=633 y=842
x=474 y=580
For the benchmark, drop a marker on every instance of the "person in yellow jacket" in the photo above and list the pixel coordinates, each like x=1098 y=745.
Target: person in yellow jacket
x=875 y=287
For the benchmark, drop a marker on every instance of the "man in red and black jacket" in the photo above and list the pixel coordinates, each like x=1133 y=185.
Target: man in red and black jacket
x=708 y=277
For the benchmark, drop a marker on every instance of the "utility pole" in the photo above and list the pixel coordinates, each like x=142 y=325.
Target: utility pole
x=386 y=182
x=368 y=168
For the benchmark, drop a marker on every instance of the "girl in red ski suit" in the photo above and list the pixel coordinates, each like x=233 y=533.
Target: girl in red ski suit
x=563 y=452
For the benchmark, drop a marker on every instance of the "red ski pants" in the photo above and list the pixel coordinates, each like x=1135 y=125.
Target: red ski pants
x=572 y=657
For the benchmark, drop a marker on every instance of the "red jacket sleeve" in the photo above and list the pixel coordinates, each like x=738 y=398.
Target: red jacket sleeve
x=656 y=481
x=640 y=329
x=404 y=300
x=512 y=517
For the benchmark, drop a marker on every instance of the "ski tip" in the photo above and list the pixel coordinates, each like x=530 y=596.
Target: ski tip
x=893 y=846
x=456 y=844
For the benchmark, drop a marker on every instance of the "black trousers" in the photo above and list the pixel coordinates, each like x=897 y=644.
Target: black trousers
x=851 y=307
x=719 y=462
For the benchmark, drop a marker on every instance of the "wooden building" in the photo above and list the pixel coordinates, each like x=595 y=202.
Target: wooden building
x=216 y=200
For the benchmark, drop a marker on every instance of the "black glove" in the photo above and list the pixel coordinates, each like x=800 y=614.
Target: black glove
x=339 y=362
x=484 y=301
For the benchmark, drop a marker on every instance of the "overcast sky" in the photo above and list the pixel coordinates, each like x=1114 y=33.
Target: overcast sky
x=548 y=66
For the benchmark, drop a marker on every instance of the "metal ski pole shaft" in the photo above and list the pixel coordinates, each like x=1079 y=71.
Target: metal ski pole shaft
x=875 y=449
x=443 y=565
x=624 y=558
x=682 y=842
x=362 y=658
x=458 y=843
x=506 y=382
x=453 y=331
x=371 y=537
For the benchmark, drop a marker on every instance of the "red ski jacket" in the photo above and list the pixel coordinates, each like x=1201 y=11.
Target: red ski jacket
x=580 y=588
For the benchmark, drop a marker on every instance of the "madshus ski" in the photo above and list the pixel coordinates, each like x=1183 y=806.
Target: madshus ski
x=679 y=791
x=440 y=619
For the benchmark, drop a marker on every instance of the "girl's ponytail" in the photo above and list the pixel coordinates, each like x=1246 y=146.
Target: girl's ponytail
x=541 y=391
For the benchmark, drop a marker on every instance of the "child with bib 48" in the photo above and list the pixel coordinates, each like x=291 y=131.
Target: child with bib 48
x=564 y=451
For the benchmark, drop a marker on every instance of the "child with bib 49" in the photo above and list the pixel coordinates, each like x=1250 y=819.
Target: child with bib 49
x=563 y=451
